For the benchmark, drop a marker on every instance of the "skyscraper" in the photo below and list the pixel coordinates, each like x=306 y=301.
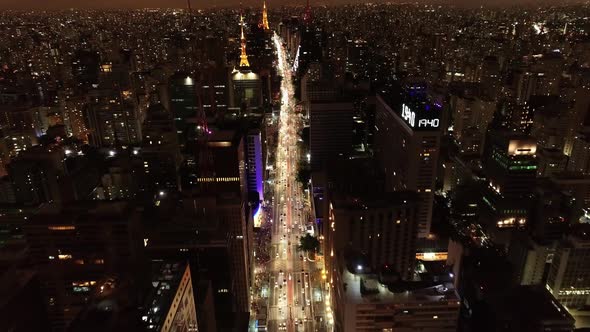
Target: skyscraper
x=74 y=247
x=569 y=274
x=330 y=130
x=184 y=103
x=112 y=121
x=407 y=144
x=510 y=164
x=382 y=226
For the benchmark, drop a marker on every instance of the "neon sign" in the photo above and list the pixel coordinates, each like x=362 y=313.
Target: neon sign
x=410 y=117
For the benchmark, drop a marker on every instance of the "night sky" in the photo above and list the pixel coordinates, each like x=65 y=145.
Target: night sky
x=56 y=4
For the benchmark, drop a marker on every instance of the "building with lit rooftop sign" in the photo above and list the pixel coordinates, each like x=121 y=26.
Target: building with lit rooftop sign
x=407 y=144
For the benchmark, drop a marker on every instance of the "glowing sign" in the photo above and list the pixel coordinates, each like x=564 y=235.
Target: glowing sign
x=423 y=121
x=408 y=115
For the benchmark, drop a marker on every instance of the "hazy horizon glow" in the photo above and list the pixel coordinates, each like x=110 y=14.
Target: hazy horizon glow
x=63 y=4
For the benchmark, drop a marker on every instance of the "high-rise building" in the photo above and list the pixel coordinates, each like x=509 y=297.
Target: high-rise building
x=382 y=226
x=551 y=121
x=510 y=165
x=170 y=305
x=551 y=161
x=112 y=121
x=330 y=131
x=21 y=301
x=245 y=91
x=569 y=274
x=227 y=165
x=471 y=116
x=530 y=308
x=184 y=103
x=254 y=168
x=213 y=234
x=553 y=211
x=579 y=160
x=528 y=257
x=356 y=61
x=35 y=175
x=407 y=144
x=215 y=92
x=376 y=301
x=74 y=247
x=160 y=153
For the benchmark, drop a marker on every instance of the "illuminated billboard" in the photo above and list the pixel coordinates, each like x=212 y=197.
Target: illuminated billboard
x=421 y=116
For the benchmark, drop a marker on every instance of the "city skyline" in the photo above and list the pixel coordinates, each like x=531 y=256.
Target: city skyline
x=139 y=4
x=383 y=167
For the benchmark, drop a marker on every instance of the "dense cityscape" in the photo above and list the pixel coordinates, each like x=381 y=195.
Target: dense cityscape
x=382 y=167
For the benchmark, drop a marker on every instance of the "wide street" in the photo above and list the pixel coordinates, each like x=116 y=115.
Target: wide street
x=295 y=282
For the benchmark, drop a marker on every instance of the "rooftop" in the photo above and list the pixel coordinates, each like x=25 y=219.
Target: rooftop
x=530 y=303
x=366 y=288
x=166 y=278
x=375 y=200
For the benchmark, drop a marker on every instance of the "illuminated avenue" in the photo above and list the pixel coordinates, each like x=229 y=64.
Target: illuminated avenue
x=368 y=167
x=295 y=284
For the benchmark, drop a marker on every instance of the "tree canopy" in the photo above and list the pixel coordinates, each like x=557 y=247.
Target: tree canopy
x=309 y=244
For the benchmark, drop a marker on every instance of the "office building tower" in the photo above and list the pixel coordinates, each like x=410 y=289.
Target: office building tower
x=407 y=144
x=213 y=234
x=569 y=274
x=382 y=226
x=85 y=68
x=552 y=213
x=551 y=160
x=112 y=121
x=22 y=307
x=160 y=152
x=170 y=304
x=215 y=92
x=343 y=177
x=579 y=160
x=356 y=61
x=551 y=121
x=531 y=308
x=306 y=46
x=254 y=168
x=577 y=186
x=73 y=116
x=510 y=165
x=245 y=91
x=491 y=77
x=330 y=131
x=225 y=169
x=36 y=175
x=471 y=116
x=371 y=301
x=184 y=102
x=529 y=258
x=73 y=248
x=120 y=181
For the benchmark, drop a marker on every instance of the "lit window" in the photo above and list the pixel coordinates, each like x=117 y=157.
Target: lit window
x=61 y=228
